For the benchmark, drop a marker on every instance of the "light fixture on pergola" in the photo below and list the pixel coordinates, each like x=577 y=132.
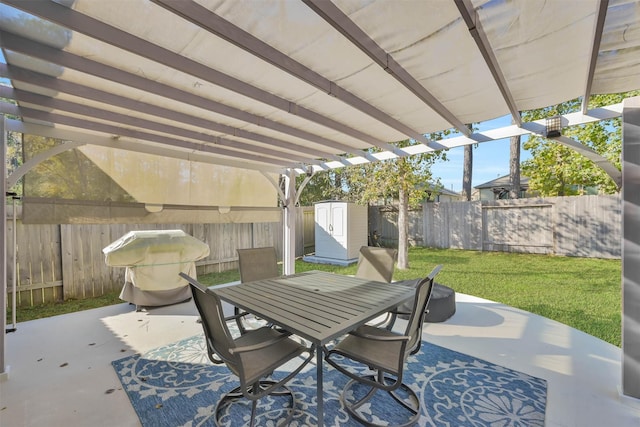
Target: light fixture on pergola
x=554 y=126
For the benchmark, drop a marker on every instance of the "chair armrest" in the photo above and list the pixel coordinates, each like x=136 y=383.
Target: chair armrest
x=397 y=310
x=379 y=337
x=261 y=345
x=236 y=316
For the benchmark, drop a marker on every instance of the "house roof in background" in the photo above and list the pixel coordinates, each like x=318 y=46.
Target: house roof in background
x=443 y=191
x=438 y=189
x=503 y=181
x=273 y=85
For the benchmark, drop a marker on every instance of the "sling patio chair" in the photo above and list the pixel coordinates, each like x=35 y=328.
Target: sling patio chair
x=255 y=264
x=252 y=357
x=375 y=263
x=381 y=356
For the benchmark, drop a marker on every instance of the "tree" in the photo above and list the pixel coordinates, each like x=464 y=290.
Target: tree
x=14 y=150
x=14 y=158
x=327 y=185
x=403 y=179
x=467 y=172
x=514 y=167
x=556 y=170
x=68 y=175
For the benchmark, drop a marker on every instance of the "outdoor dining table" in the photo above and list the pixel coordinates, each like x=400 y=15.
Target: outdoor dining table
x=317 y=306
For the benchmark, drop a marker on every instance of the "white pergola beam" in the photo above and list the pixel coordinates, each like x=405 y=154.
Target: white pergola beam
x=341 y=22
x=595 y=50
x=535 y=127
x=468 y=13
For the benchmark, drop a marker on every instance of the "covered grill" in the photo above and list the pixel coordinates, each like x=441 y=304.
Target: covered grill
x=153 y=259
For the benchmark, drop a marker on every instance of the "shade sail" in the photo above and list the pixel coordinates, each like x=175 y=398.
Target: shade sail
x=273 y=85
x=97 y=184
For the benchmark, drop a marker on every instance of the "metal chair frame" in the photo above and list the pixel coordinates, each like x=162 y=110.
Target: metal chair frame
x=252 y=357
x=366 y=345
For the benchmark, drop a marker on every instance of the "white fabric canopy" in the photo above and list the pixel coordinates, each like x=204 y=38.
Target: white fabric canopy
x=272 y=85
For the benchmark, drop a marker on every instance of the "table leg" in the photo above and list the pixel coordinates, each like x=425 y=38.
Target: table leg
x=320 y=388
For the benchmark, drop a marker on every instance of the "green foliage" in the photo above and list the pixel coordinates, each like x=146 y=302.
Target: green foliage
x=14 y=158
x=327 y=185
x=411 y=175
x=556 y=170
x=383 y=181
x=68 y=175
x=377 y=181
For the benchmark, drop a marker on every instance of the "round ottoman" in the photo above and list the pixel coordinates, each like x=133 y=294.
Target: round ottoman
x=442 y=304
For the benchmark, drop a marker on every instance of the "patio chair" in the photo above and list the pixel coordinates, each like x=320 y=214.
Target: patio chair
x=252 y=357
x=377 y=264
x=255 y=264
x=385 y=353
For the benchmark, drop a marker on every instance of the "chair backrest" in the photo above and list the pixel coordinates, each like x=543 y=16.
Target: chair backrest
x=376 y=263
x=219 y=339
x=416 y=319
x=257 y=264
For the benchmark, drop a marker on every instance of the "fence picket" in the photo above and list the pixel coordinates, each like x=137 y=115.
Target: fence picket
x=66 y=261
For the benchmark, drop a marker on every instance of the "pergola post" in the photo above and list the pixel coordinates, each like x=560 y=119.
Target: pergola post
x=289 y=225
x=631 y=247
x=4 y=373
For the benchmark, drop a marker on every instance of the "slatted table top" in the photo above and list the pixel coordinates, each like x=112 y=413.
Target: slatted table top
x=316 y=305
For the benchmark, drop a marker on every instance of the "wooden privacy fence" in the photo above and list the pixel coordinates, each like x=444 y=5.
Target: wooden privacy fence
x=584 y=226
x=56 y=262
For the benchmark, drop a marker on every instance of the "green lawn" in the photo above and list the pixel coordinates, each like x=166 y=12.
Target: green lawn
x=580 y=292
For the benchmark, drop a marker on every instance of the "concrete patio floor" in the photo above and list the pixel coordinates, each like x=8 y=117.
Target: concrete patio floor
x=60 y=370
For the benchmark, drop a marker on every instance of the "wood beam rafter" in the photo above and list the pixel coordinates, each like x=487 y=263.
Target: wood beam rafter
x=98 y=30
x=469 y=16
x=595 y=49
x=65 y=59
x=140 y=123
x=209 y=21
x=81 y=138
x=119 y=131
x=92 y=94
x=341 y=22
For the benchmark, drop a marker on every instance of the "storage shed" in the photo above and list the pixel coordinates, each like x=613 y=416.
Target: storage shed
x=340 y=231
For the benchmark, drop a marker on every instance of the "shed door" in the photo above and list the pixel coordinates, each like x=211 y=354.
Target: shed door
x=339 y=229
x=331 y=231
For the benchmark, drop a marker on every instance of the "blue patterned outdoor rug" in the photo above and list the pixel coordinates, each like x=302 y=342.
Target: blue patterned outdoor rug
x=176 y=385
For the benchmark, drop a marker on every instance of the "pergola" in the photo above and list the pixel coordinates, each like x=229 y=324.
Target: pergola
x=298 y=87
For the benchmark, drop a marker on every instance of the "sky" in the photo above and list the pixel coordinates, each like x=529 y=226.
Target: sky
x=490 y=160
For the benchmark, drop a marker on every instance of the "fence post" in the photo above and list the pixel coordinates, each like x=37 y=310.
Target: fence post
x=66 y=259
